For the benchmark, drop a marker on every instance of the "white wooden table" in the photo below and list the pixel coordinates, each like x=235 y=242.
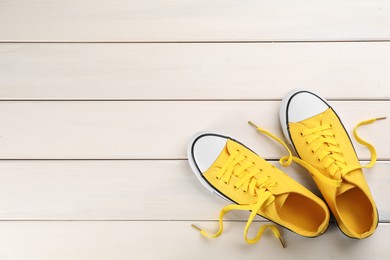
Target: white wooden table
x=98 y=99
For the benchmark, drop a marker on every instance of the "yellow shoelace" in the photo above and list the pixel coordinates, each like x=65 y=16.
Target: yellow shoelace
x=251 y=181
x=322 y=138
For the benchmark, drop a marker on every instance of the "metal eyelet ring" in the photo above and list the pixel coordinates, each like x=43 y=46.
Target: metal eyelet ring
x=312 y=151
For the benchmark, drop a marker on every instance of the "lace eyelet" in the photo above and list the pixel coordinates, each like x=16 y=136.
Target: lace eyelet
x=226 y=182
x=307 y=142
x=217 y=178
x=244 y=191
x=301 y=133
x=319 y=160
x=330 y=125
x=261 y=170
x=235 y=187
x=334 y=136
x=312 y=151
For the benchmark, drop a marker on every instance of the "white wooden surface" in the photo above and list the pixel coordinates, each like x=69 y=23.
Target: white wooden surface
x=193 y=71
x=99 y=98
x=173 y=240
x=193 y=20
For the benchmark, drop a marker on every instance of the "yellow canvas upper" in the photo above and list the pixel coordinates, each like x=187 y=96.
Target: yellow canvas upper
x=322 y=142
x=256 y=185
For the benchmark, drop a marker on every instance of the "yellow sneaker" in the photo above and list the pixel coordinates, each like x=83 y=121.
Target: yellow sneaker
x=232 y=171
x=321 y=141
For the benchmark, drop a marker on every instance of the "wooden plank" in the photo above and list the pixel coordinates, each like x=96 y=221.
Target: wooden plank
x=173 y=240
x=130 y=190
x=193 y=71
x=193 y=20
x=150 y=129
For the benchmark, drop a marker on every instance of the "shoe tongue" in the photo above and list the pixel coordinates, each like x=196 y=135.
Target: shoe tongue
x=314 y=121
x=231 y=146
x=280 y=200
x=345 y=186
x=223 y=156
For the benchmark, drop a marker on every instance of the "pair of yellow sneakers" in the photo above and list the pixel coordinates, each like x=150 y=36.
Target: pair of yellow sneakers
x=231 y=170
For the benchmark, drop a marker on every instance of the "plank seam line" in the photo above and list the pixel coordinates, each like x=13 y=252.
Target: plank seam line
x=382 y=99
x=143 y=220
x=384 y=160
x=203 y=42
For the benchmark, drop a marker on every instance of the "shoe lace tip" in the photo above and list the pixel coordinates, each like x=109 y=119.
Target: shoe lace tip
x=282 y=242
x=252 y=124
x=381 y=118
x=195 y=227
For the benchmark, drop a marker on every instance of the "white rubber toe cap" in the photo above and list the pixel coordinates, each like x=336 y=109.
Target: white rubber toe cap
x=202 y=152
x=205 y=149
x=299 y=105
